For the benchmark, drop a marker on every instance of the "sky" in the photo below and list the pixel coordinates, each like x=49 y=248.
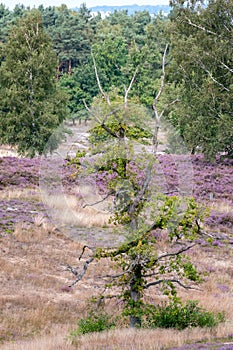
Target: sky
x=74 y=3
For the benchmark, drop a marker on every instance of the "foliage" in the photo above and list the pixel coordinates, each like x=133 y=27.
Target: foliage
x=95 y=322
x=178 y=315
x=135 y=132
x=77 y=159
x=31 y=106
x=71 y=86
x=133 y=122
x=201 y=35
x=140 y=260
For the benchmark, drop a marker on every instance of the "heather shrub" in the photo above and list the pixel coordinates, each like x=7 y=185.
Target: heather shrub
x=178 y=315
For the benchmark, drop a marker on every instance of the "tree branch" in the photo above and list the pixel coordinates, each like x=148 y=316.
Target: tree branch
x=27 y=40
x=102 y=123
x=200 y=27
x=130 y=86
x=182 y=250
x=98 y=81
x=148 y=285
x=141 y=193
x=162 y=78
x=157 y=115
x=83 y=251
x=211 y=76
x=225 y=66
x=169 y=105
x=82 y=273
x=117 y=276
x=100 y=201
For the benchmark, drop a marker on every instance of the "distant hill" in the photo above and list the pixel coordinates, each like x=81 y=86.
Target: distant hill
x=153 y=10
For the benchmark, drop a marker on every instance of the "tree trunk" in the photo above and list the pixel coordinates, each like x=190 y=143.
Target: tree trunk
x=69 y=67
x=135 y=295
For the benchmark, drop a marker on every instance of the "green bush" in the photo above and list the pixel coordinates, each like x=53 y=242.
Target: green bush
x=95 y=322
x=180 y=316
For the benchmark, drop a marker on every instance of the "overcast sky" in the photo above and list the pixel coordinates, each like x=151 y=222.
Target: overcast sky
x=76 y=3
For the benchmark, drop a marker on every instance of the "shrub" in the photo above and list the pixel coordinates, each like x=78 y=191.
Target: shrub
x=95 y=322
x=180 y=316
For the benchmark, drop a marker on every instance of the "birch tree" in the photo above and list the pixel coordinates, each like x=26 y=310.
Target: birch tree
x=31 y=105
x=202 y=52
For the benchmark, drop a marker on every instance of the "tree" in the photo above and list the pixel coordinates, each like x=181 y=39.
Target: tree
x=71 y=34
x=76 y=95
x=49 y=16
x=31 y=105
x=140 y=211
x=6 y=18
x=202 y=70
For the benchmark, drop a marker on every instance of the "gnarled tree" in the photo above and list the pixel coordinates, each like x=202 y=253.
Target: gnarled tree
x=139 y=210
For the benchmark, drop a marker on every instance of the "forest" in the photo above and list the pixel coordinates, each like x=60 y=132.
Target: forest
x=116 y=189
x=198 y=68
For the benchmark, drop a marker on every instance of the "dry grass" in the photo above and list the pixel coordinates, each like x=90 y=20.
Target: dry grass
x=55 y=340
x=32 y=272
x=37 y=311
x=34 y=303
x=121 y=339
x=69 y=209
x=158 y=339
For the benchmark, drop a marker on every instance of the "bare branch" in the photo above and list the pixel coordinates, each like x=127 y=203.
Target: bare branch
x=222 y=63
x=130 y=269
x=162 y=79
x=72 y=270
x=102 y=123
x=91 y=112
x=27 y=40
x=228 y=68
x=83 y=251
x=117 y=276
x=100 y=201
x=157 y=115
x=148 y=285
x=98 y=81
x=82 y=273
x=130 y=86
x=150 y=274
x=106 y=128
x=169 y=105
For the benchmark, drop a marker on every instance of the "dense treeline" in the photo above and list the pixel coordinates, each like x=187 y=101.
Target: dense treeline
x=198 y=66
